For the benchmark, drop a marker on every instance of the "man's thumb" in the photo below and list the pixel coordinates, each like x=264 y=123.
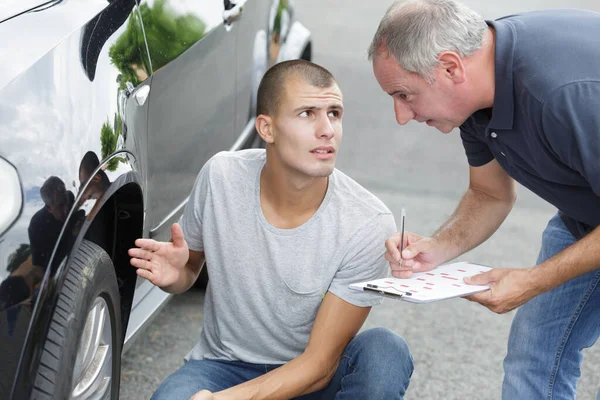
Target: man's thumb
x=414 y=249
x=177 y=235
x=479 y=279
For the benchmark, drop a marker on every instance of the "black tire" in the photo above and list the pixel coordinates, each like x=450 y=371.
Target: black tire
x=90 y=276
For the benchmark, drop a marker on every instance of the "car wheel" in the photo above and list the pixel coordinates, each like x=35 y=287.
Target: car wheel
x=81 y=358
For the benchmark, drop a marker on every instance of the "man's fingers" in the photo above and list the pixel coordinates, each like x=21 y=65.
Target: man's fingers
x=391 y=246
x=402 y=274
x=415 y=249
x=177 y=235
x=399 y=267
x=390 y=258
x=145 y=274
x=480 y=279
x=148 y=244
x=140 y=253
x=140 y=263
x=482 y=298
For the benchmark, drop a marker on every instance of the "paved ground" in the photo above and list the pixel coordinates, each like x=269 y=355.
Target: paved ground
x=458 y=347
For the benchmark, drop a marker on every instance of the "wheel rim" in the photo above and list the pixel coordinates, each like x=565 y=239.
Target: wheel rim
x=92 y=373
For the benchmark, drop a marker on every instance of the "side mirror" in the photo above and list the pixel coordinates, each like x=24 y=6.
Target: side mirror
x=11 y=195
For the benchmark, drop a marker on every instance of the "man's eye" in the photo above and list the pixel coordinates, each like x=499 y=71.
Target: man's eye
x=334 y=114
x=304 y=113
x=403 y=96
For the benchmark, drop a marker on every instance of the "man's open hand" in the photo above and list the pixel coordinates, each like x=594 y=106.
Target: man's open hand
x=161 y=262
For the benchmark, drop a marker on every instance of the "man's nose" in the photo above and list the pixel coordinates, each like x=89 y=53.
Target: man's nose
x=403 y=112
x=325 y=127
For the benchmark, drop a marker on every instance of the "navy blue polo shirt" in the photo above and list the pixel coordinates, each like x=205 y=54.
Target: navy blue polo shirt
x=545 y=125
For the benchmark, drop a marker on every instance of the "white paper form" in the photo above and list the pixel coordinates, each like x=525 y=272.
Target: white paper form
x=443 y=282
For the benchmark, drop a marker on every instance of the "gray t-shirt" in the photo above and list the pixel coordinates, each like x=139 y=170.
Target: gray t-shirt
x=266 y=284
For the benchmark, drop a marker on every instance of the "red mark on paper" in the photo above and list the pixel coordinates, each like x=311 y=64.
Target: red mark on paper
x=449 y=277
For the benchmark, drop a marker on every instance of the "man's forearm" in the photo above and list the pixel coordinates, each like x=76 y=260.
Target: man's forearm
x=580 y=258
x=302 y=375
x=476 y=218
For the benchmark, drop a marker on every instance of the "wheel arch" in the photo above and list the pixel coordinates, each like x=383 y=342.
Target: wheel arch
x=118 y=221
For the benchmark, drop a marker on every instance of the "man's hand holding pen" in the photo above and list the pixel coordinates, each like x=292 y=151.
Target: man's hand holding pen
x=419 y=254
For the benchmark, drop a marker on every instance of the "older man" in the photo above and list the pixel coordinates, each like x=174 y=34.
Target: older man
x=525 y=92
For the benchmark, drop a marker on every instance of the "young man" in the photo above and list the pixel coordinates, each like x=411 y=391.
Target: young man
x=525 y=92
x=283 y=234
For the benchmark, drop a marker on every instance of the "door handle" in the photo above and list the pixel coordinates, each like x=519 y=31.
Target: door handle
x=232 y=12
x=140 y=95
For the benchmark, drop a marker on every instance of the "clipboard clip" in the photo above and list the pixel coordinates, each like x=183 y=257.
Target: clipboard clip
x=375 y=289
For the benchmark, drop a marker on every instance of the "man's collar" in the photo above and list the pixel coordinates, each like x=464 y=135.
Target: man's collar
x=503 y=109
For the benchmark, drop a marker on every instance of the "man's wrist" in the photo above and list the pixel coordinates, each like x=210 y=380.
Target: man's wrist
x=444 y=248
x=176 y=286
x=541 y=278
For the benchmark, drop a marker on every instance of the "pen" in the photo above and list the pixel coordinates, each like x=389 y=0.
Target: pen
x=402 y=218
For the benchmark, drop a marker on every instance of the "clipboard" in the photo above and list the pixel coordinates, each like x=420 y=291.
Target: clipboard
x=441 y=283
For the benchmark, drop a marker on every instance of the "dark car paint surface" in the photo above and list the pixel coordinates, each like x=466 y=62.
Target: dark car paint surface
x=114 y=107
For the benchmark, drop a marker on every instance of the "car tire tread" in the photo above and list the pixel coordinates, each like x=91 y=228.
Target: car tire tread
x=48 y=380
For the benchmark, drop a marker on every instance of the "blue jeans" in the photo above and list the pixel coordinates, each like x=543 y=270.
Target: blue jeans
x=376 y=364
x=549 y=332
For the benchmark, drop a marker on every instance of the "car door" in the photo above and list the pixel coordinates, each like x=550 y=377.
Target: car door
x=191 y=102
x=250 y=29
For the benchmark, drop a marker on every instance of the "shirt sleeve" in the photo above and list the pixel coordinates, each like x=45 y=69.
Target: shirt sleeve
x=191 y=219
x=365 y=261
x=571 y=122
x=477 y=151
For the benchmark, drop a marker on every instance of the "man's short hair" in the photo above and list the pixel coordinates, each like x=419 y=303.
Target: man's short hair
x=271 y=90
x=415 y=32
x=52 y=186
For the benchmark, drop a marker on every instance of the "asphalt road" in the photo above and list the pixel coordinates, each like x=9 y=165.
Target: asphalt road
x=457 y=346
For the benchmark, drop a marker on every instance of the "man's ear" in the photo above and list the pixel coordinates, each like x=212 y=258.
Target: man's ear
x=264 y=127
x=452 y=66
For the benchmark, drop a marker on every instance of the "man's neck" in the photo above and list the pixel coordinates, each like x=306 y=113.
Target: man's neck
x=489 y=70
x=481 y=67
x=289 y=201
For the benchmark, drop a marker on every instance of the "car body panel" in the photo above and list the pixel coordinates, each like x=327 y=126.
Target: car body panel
x=52 y=118
x=90 y=98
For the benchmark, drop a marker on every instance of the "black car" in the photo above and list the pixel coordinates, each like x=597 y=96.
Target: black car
x=108 y=110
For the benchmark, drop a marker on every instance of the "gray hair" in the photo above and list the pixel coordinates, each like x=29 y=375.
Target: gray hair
x=415 y=32
x=52 y=186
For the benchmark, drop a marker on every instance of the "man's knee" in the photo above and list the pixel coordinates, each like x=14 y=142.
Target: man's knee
x=385 y=349
x=176 y=388
x=184 y=383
